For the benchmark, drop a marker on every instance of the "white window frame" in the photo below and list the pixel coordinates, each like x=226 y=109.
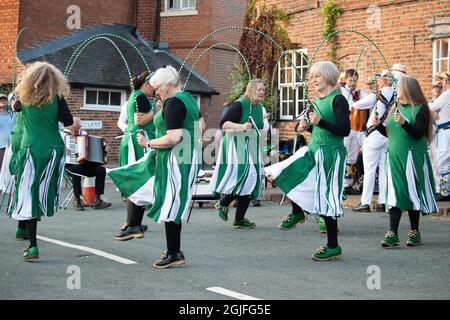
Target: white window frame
x=183 y=11
x=101 y=107
x=293 y=84
x=437 y=50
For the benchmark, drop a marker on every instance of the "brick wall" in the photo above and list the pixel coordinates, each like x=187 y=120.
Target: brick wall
x=146 y=18
x=48 y=19
x=9 y=17
x=184 y=32
x=403 y=36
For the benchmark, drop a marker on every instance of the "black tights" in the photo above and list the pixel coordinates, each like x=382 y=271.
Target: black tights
x=331 y=225
x=296 y=208
x=31 y=226
x=242 y=205
x=395 y=215
x=173 y=237
x=134 y=214
x=22 y=225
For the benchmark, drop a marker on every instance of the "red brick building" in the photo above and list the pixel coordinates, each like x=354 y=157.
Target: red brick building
x=415 y=33
x=164 y=30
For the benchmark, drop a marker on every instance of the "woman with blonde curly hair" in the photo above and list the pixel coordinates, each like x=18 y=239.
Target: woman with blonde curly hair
x=41 y=91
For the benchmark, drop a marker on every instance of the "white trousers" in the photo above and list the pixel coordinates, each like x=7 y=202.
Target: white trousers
x=374 y=153
x=353 y=143
x=440 y=159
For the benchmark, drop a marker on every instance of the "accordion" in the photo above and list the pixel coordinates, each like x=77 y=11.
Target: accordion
x=85 y=148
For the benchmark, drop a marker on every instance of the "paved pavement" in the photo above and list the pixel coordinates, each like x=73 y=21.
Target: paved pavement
x=263 y=263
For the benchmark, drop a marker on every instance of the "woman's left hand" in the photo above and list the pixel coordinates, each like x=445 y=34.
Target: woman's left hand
x=399 y=118
x=314 y=117
x=142 y=140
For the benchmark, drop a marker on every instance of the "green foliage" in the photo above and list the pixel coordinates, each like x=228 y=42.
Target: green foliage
x=331 y=11
x=260 y=53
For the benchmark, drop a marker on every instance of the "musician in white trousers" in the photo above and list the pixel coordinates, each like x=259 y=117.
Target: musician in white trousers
x=440 y=146
x=87 y=169
x=358 y=118
x=374 y=147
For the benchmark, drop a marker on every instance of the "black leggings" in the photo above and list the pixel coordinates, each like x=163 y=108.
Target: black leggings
x=395 y=215
x=331 y=225
x=22 y=225
x=296 y=208
x=173 y=237
x=242 y=205
x=32 y=231
x=135 y=214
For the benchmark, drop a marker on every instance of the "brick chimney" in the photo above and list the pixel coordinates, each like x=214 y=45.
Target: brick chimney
x=147 y=19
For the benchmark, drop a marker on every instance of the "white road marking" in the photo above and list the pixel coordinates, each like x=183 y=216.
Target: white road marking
x=232 y=294
x=87 y=249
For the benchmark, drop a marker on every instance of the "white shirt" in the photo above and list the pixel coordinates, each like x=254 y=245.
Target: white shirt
x=365 y=103
x=380 y=107
x=123 y=117
x=442 y=106
x=345 y=91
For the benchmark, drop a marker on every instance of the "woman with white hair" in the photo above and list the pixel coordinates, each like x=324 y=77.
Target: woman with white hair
x=313 y=177
x=237 y=174
x=140 y=112
x=176 y=160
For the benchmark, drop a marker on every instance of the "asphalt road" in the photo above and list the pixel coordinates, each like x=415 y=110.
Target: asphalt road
x=263 y=263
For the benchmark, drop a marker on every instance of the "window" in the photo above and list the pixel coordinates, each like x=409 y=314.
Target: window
x=291 y=79
x=441 y=55
x=103 y=99
x=179 y=7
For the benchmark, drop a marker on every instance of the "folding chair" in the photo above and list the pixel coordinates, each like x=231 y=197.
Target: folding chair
x=68 y=180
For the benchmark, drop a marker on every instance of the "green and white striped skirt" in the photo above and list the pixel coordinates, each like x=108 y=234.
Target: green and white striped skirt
x=313 y=180
x=136 y=180
x=238 y=166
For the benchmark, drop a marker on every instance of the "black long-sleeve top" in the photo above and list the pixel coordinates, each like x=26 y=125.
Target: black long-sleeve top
x=342 y=125
x=419 y=128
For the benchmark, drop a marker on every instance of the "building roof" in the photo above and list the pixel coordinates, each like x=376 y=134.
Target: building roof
x=100 y=64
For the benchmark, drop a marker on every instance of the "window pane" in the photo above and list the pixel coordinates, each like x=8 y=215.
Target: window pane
x=438 y=49
x=285 y=108
x=298 y=75
x=444 y=65
x=282 y=77
x=103 y=97
x=91 y=97
x=174 y=4
x=284 y=93
x=116 y=98
x=192 y=4
x=288 y=76
x=298 y=59
x=444 y=51
x=299 y=100
x=284 y=62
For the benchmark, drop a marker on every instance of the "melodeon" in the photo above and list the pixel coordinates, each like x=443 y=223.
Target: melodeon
x=85 y=148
